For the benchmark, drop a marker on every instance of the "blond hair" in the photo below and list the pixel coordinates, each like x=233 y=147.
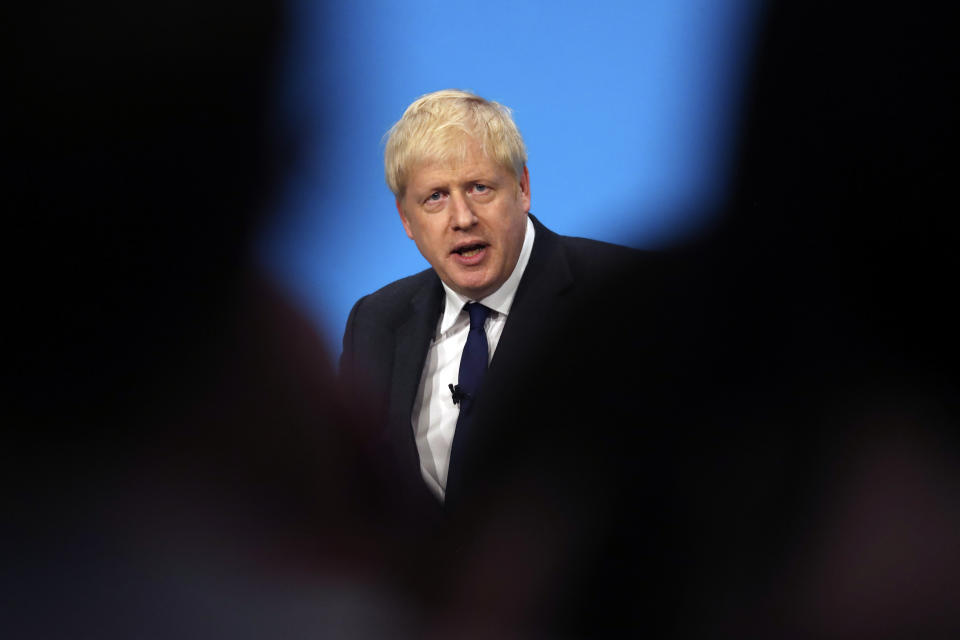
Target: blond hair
x=438 y=126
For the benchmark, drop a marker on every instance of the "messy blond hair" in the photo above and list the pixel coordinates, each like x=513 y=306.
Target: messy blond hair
x=438 y=126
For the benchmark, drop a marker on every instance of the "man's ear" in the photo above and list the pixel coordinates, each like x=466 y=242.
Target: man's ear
x=404 y=219
x=525 y=189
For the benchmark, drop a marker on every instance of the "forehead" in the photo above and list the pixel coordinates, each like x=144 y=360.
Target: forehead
x=467 y=162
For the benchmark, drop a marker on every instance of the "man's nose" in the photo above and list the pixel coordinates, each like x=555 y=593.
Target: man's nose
x=461 y=212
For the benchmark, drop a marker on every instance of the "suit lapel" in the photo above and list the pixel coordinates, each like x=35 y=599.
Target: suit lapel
x=411 y=341
x=541 y=290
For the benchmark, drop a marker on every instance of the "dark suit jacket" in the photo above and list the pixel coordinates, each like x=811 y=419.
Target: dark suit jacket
x=535 y=513
x=388 y=334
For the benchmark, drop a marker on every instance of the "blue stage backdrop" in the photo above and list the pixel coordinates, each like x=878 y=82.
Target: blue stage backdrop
x=628 y=109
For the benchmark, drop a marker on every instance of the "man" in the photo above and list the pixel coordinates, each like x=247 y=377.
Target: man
x=488 y=374
x=456 y=164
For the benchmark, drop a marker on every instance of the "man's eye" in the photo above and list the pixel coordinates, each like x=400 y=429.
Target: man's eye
x=480 y=188
x=436 y=195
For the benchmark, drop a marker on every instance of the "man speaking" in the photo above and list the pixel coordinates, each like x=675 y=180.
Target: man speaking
x=440 y=349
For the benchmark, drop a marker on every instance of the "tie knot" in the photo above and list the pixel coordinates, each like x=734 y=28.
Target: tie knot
x=478 y=314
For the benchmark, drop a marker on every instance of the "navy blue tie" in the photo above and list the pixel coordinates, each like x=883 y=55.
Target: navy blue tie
x=473 y=362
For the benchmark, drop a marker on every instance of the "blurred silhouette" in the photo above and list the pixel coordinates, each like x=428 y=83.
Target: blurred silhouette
x=180 y=464
x=826 y=286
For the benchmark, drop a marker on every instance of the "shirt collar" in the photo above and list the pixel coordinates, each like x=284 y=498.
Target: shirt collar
x=500 y=300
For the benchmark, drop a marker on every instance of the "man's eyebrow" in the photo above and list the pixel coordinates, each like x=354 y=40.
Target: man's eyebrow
x=483 y=178
x=428 y=187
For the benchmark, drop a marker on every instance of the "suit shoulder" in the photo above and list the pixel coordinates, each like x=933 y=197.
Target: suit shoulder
x=390 y=299
x=588 y=245
x=597 y=256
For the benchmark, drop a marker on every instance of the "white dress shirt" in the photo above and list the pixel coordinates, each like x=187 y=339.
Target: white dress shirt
x=434 y=416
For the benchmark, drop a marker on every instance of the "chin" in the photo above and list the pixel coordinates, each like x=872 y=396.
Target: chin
x=472 y=289
x=474 y=293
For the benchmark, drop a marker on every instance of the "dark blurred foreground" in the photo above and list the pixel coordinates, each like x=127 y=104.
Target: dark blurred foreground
x=765 y=446
x=179 y=464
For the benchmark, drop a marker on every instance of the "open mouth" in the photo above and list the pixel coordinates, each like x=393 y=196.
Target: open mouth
x=470 y=250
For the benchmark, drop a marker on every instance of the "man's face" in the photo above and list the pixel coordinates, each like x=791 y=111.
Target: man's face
x=468 y=220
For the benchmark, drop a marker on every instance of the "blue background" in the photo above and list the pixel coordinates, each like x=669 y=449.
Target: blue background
x=628 y=110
